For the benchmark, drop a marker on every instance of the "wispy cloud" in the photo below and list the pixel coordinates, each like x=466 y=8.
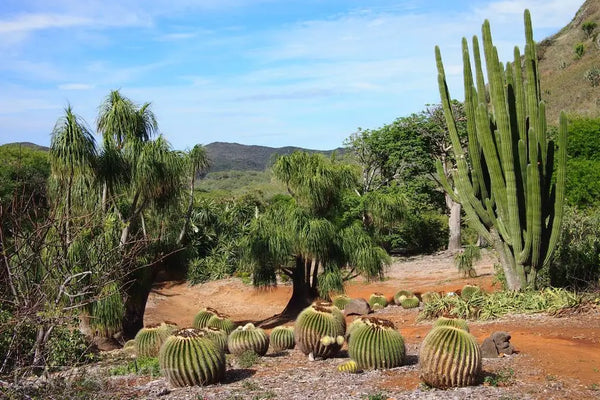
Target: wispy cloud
x=33 y=22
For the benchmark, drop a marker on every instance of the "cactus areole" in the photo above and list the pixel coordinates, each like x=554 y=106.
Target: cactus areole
x=511 y=180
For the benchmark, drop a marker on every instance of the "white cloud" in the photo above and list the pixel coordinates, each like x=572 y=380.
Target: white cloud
x=33 y=22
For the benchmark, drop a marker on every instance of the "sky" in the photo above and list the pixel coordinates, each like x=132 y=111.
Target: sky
x=276 y=73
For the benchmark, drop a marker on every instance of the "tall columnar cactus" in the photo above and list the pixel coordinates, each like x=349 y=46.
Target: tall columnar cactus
x=377 y=299
x=453 y=322
x=248 y=338
x=218 y=336
x=375 y=343
x=201 y=319
x=149 y=340
x=282 y=338
x=449 y=357
x=320 y=329
x=189 y=357
x=222 y=322
x=512 y=186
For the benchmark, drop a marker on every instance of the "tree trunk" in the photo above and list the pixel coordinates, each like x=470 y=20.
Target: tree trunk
x=454 y=244
x=136 y=296
x=302 y=293
x=188 y=213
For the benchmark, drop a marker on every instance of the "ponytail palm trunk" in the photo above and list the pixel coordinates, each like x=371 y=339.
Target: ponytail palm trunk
x=512 y=184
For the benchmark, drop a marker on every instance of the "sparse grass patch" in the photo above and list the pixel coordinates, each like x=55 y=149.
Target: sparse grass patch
x=503 y=377
x=247 y=359
x=139 y=366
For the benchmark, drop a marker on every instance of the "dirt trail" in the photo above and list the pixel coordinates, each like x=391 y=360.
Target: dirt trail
x=561 y=354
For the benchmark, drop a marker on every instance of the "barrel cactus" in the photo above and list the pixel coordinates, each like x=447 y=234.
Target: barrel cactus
x=430 y=297
x=449 y=357
x=375 y=344
x=349 y=366
x=377 y=299
x=201 y=319
x=222 y=322
x=341 y=301
x=148 y=340
x=454 y=322
x=410 y=302
x=401 y=295
x=218 y=336
x=468 y=291
x=319 y=320
x=282 y=338
x=189 y=357
x=248 y=338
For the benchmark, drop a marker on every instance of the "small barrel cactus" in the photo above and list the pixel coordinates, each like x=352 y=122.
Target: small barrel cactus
x=218 y=336
x=454 y=322
x=222 y=322
x=375 y=343
x=349 y=366
x=201 y=319
x=318 y=320
x=248 y=337
x=282 y=338
x=148 y=340
x=410 y=302
x=189 y=357
x=377 y=299
x=429 y=297
x=468 y=291
x=449 y=357
x=341 y=301
x=401 y=295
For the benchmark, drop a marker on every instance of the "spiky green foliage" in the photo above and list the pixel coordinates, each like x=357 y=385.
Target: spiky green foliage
x=282 y=338
x=465 y=258
x=453 y=322
x=375 y=343
x=401 y=295
x=468 y=291
x=189 y=358
x=341 y=301
x=201 y=319
x=218 y=336
x=512 y=185
x=449 y=357
x=221 y=321
x=315 y=322
x=349 y=366
x=379 y=299
x=428 y=297
x=107 y=312
x=148 y=340
x=410 y=302
x=248 y=338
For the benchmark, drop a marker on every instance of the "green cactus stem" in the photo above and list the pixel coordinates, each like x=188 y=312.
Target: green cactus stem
x=379 y=299
x=248 y=338
x=401 y=295
x=218 y=336
x=410 y=302
x=189 y=357
x=318 y=320
x=341 y=301
x=349 y=366
x=449 y=357
x=149 y=340
x=221 y=321
x=429 y=297
x=453 y=322
x=201 y=319
x=376 y=344
x=282 y=338
x=468 y=291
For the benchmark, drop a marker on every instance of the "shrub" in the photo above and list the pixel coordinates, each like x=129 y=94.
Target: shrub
x=67 y=347
x=588 y=27
x=579 y=50
x=464 y=260
x=592 y=75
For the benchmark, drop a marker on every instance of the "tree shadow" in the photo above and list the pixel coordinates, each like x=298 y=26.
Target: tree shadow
x=238 y=374
x=411 y=359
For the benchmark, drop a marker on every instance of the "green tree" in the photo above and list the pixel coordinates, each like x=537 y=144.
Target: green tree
x=588 y=27
x=583 y=165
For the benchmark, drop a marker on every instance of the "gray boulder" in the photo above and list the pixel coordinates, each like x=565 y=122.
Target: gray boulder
x=357 y=307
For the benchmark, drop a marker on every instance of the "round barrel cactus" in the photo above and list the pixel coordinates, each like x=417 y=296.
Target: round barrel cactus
x=469 y=291
x=201 y=319
x=375 y=344
x=341 y=301
x=349 y=366
x=410 y=302
x=454 y=322
x=248 y=337
x=317 y=321
x=222 y=322
x=429 y=297
x=218 y=336
x=148 y=340
x=449 y=357
x=401 y=295
x=189 y=357
x=282 y=338
x=377 y=299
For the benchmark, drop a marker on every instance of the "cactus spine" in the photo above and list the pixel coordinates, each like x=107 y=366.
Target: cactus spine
x=449 y=357
x=148 y=340
x=319 y=320
x=248 y=337
x=201 y=319
x=375 y=343
x=189 y=357
x=282 y=338
x=511 y=192
x=453 y=322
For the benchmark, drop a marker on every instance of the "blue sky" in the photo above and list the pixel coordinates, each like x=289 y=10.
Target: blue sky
x=268 y=72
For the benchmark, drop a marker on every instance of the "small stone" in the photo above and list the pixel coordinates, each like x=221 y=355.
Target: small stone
x=357 y=307
x=488 y=349
x=500 y=337
x=163 y=392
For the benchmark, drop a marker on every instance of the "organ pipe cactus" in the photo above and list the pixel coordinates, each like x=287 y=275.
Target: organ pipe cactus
x=377 y=299
x=319 y=320
x=189 y=357
x=222 y=322
x=511 y=183
x=449 y=357
x=201 y=319
x=282 y=338
x=248 y=338
x=149 y=340
x=453 y=322
x=375 y=343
